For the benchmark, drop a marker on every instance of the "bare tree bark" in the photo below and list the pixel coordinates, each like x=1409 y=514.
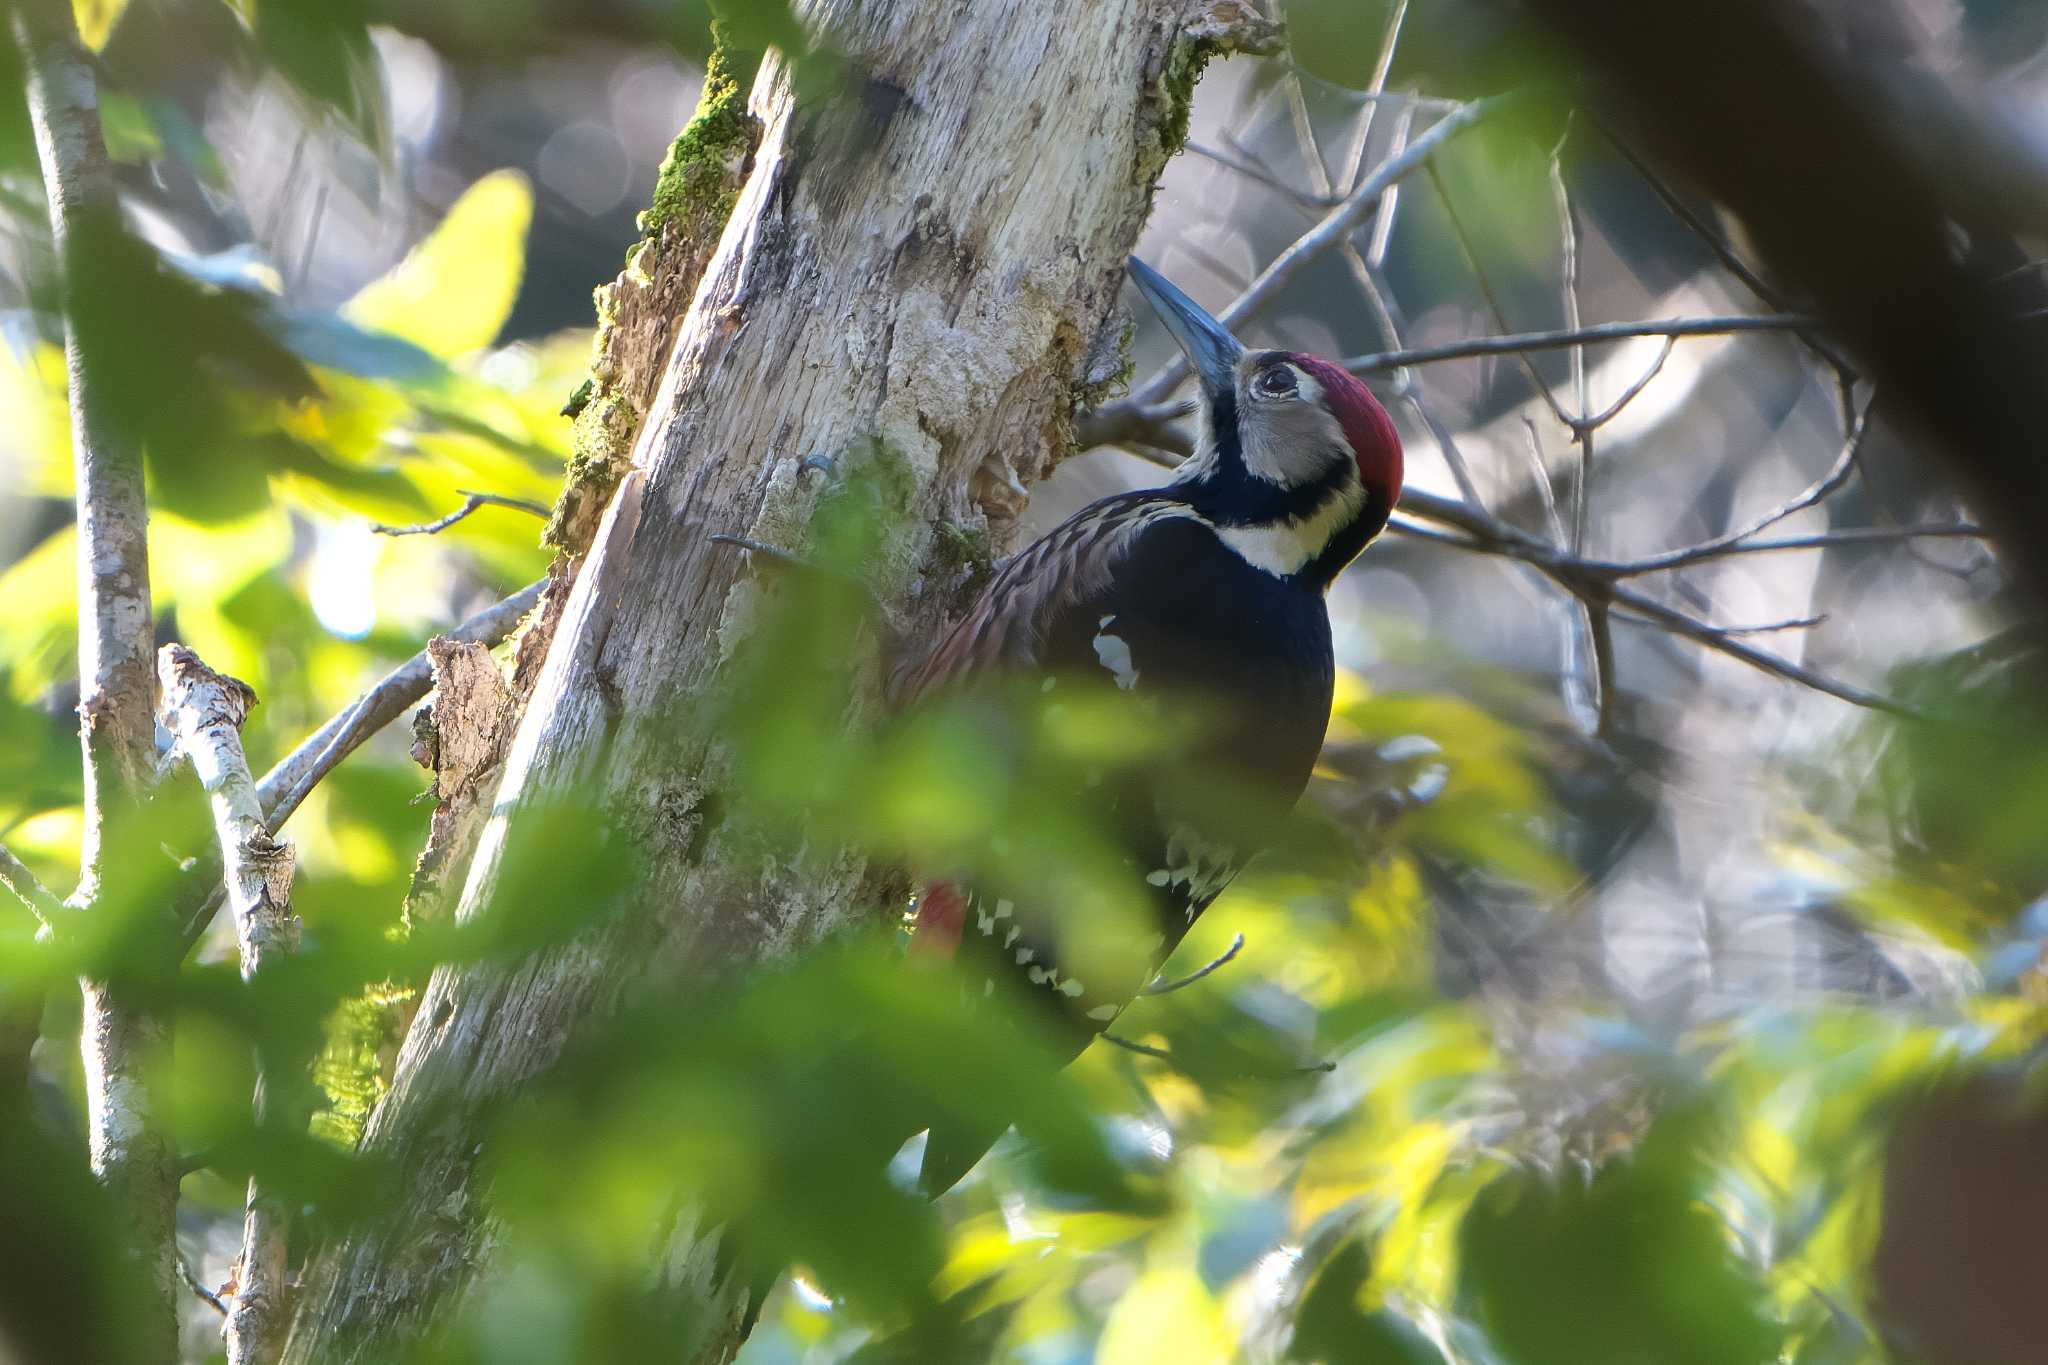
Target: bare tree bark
x=117 y=684
x=205 y=710
x=926 y=263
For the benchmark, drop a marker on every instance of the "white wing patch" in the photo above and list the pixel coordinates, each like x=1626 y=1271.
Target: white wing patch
x=1115 y=654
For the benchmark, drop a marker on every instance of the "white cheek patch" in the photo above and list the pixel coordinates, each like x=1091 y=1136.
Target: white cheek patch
x=1115 y=655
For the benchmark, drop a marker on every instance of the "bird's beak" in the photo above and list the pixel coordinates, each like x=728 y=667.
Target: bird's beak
x=1213 y=351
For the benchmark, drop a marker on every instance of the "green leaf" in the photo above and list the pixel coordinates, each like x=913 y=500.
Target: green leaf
x=96 y=20
x=452 y=293
x=1628 y=1267
x=1333 y=1326
x=1167 y=1315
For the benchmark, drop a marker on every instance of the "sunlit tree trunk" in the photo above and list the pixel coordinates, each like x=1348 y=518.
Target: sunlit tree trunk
x=925 y=256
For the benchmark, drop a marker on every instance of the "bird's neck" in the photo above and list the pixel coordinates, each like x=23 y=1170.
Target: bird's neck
x=1304 y=534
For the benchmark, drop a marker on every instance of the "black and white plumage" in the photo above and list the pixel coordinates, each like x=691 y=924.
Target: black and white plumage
x=1208 y=591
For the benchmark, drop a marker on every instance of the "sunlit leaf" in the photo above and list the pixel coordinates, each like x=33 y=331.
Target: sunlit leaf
x=1167 y=1315
x=452 y=293
x=96 y=20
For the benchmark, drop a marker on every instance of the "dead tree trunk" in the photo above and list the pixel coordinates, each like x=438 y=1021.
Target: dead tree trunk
x=927 y=260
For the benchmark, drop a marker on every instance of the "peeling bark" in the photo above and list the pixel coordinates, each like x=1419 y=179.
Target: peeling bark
x=926 y=265
x=462 y=740
x=205 y=711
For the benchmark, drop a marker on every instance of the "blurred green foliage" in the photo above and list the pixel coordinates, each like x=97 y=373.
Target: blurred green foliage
x=1323 y=1157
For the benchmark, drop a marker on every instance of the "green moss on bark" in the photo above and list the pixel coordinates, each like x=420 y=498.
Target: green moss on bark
x=350 y=1069
x=697 y=183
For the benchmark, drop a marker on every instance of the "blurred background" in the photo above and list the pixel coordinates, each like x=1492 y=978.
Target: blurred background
x=1647 y=956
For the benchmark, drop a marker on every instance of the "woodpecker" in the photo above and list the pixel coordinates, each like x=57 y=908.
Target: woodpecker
x=1209 y=591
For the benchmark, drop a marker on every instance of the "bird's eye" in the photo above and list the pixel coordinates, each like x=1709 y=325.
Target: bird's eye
x=1277 y=382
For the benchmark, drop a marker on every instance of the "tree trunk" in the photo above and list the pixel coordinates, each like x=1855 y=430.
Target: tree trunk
x=928 y=261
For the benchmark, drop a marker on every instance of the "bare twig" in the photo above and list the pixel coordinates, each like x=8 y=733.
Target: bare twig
x=1142 y=1049
x=200 y=1291
x=1305 y=134
x=1726 y=254
x=1593 y=581
x=1600 y=635
x=205 y=711
x=1164 y=1055
x=1447 y=443
x=1390 y=203
x=1565 y=337
x=1376 y=87
x=1582 y=430
x=1335 y=226
x=1819 y=540
x=471 y=502
x=1169 y=987
x=1819 y=490
x=16 y=877
x=1258 y=175
x=1634 y=606
x=1771 y=627
x=1539 y=479
x=1486 y=291
x=1632 y=392
x=287 y=785
x=1130 y=418
x=131 y=1156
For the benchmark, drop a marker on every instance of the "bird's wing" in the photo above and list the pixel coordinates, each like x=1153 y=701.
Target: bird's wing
x=1010 y=625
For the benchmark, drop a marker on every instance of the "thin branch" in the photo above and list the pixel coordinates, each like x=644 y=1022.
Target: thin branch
x=1593 y=581
x=1131 y=418
x=472 y=502
x=1162 y=1054
x=1771 y=627
x=1486 y=291
x=131 y=1154
x=1600 y=634
x=1582 y=430
x=1726 y=254
x=1335 y=226
x=287 y=785
x=1447 y=443
x=1633 y=391
x=1257 y=175
x=1375 y=88
x=1142 y=1049
x=1169 y=987
x=1819 y=490
x=1539 y=479
x=1561 y=338
x=1819 y=540
x=16 y=877
x=204 y=710
x=205 y=1295
x=1634 y=606
x=1390 y=203
x=1305 y=133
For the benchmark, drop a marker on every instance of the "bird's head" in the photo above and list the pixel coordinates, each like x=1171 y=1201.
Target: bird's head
x=1298 y=464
